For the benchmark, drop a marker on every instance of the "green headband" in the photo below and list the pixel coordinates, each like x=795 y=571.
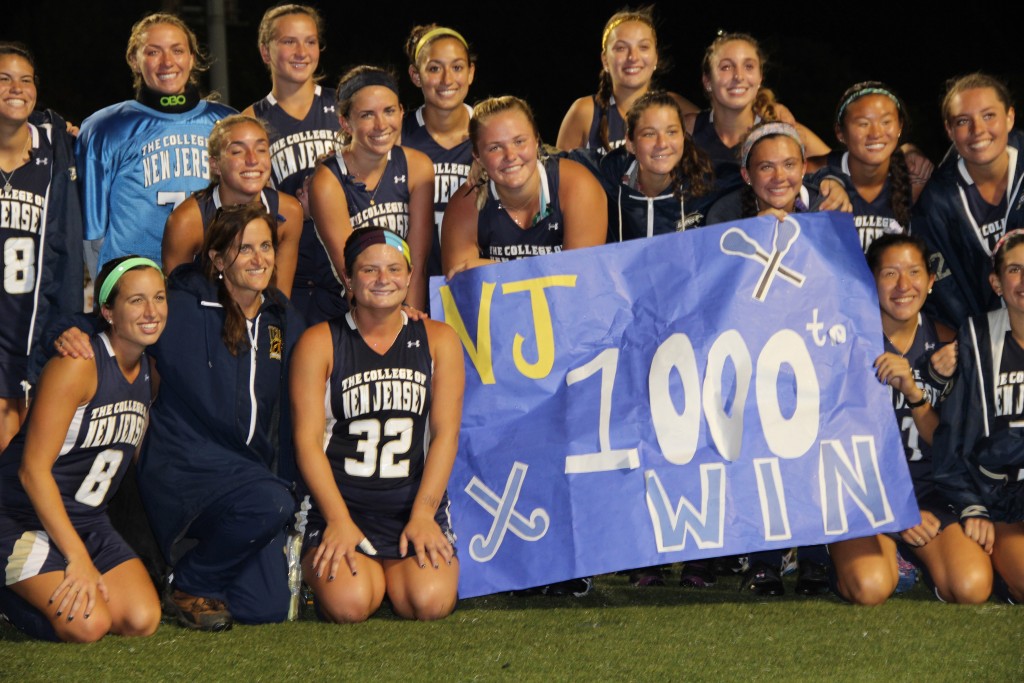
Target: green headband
x=120 y=270
x=864 y=92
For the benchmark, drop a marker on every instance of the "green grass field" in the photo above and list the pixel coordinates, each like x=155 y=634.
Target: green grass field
x=618 y=632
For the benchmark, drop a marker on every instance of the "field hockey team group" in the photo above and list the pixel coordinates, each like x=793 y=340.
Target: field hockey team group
x=259 y=279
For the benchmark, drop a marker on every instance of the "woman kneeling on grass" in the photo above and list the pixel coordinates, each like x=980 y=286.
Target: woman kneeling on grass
x=979 y=452
x=378 y=475
x=917 y=365
x=69 y=575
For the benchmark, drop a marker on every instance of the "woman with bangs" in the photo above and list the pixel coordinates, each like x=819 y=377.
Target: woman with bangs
x=918 y=365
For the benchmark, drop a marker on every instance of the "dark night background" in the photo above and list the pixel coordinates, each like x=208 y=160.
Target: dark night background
x=548 y=52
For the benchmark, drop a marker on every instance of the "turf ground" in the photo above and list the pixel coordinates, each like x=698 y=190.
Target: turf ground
x=618 y=632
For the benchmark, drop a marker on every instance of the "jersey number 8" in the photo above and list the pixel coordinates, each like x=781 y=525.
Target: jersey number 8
x=19 y=265
x=370 y=430
x=94 y=486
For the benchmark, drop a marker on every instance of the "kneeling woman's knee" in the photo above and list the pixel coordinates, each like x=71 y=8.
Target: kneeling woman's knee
x=82 y=630
x=141 y=620
x=428 y=603
x=968 y=585
x=347 y=609
x=867 y=587
x=276 y=503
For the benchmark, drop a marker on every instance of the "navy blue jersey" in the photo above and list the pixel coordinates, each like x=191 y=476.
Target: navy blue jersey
x=616 y=128
x=98 y=446
x=988 y=220
x=387 y=205
x=872 y=219
x=501 y=239
x=295 y=147
x=295 y=144
x=724 y=160
x=137 y=164
x=1009 y=390
x=960 y=229
x=919 y=454
x=209 y=201
x=377 y=408
x=631 y=213
x=22 y=217
x=451 y=168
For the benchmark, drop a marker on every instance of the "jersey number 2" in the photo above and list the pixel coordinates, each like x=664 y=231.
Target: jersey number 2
x=370 y=431
x=94 y=486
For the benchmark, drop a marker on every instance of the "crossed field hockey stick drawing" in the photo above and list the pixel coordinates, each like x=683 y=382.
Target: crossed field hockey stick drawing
x=735 y=242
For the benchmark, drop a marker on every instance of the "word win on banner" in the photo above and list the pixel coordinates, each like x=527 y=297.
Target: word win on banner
x=692 y=395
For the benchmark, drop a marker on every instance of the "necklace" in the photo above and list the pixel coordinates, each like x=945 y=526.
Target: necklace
x=523 y=206
x=375 y=344
x=903 y=353
x=19 y=161
x=380 y=181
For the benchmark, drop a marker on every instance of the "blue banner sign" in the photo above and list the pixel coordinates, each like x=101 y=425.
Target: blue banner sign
x=693 y=395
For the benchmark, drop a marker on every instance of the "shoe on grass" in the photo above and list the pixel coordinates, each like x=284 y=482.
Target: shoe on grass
x=812 y=578
x=577 y=588
x=732 y=565
x=700 y=574
x=201 y=614
x=762 y=580
x=647 y=576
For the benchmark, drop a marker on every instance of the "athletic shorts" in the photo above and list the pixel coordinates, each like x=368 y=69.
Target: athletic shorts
x=13 y=371
x=938 y=507
x=381 y=514
x=25 y=554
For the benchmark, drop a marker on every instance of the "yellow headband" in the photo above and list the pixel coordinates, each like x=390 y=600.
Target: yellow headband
x=435 y=33
x=622 y=20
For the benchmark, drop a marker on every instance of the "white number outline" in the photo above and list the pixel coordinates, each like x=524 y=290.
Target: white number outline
x=370 y=429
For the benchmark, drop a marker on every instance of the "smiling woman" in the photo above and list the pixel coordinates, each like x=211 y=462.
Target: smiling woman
x=660 y=182
x=135 y=158
x=772 y=165
x=374 y=180
x=216 y=475
x=527 y=205
x=629 y=60
x=40 y=229
x=240 y=170
x=300 y=118
x=378 y=504
x=69 y=575
x=442 y=66
x=962 y=221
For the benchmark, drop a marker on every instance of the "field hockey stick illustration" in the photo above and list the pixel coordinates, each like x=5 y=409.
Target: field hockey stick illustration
x=738 y=243
x=786 y=231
